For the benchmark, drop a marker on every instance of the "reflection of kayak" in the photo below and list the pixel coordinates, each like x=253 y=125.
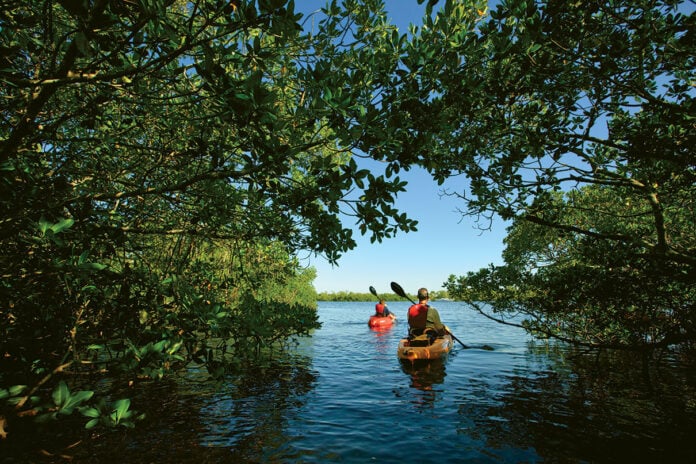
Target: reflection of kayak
x=439 y=348
x=424 y=374
x=381 y=321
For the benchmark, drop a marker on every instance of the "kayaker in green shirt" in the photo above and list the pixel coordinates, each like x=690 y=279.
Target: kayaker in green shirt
x=422 y=316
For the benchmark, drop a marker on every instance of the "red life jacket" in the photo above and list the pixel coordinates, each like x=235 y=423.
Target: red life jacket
x=379 y=309
x=418 y=316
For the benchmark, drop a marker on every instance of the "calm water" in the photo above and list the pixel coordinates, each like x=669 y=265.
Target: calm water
x=343 y=396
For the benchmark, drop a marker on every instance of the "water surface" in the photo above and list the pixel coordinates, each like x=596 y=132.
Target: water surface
x=343 y=396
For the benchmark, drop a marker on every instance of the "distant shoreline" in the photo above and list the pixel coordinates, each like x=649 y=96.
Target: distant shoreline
x=366 y=297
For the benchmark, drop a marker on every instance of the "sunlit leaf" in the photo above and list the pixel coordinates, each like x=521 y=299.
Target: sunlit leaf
x=62 y=225
x=121 y=409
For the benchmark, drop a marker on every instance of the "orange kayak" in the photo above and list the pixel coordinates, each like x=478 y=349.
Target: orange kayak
x=439 y=349
x=381 y=321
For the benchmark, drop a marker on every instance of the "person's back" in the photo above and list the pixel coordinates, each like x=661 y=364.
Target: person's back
x=422 y=317
x=417 y=318
x=381 y=309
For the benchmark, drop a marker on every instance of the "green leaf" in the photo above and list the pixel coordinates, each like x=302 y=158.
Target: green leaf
x=175 y=347
x=93 y=266
x=44 y=226
x=70 y=402
x=170 y=280
x=61 y=394
x=121 y=409
x=80 y=397
x=61 y=225
x=14 y=390
x=91 y=424
x=90 y=412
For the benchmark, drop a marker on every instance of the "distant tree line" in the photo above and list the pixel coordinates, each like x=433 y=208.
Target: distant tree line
x=357 y=296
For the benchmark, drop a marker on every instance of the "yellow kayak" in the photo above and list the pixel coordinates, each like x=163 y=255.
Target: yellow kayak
x=438 y=349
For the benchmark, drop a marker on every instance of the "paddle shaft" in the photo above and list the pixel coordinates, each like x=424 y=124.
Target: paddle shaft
x=400 y=291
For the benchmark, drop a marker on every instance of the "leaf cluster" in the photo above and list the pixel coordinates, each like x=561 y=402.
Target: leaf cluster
x=583 y=289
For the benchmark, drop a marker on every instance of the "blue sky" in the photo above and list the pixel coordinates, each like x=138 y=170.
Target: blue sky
x=444 y=244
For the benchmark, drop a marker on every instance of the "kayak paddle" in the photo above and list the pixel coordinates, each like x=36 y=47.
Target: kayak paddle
x=400 y=291
x=374 y=292
x=396 y=288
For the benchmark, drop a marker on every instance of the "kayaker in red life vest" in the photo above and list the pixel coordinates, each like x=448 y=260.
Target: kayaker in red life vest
x=422 y=316
x=381 y=309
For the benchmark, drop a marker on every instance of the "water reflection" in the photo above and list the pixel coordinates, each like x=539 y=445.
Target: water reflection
x=242 y=420
x=252 y=412
x=382 y=338
x=343 y=387
x=424 y=374
x=569 y=406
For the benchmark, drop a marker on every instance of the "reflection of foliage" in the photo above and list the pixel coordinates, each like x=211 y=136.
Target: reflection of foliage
x=239 y=421
x=243 y=414
x=597 y=409
x=257 y=405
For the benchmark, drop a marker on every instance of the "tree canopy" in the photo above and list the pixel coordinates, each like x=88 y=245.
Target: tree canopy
x=162 y=166
x=578 y=120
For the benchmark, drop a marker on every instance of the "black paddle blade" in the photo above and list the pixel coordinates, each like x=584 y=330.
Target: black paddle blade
x=373 y=291
x=396 y=288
